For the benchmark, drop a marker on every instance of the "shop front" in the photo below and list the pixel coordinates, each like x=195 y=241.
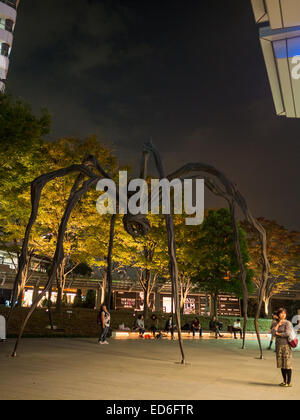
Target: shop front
x=133 y=301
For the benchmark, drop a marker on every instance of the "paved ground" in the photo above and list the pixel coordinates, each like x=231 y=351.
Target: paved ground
x=80 y=369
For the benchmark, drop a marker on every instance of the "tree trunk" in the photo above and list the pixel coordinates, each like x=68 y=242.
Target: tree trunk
x=146 y=306
x=214 y=298
x=60 y=284
x=146 y=282
x=109 y=260
x=75 y=196
x=36 y=290
x=20 y=298
x=22 y=286
x=182 y=294
x=104 y=287
x=267 y=306
x=49 y=309
x=243 y=272
x=173 y=303
x=59 y=299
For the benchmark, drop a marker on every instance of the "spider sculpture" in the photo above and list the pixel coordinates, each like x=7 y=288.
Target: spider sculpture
x=89 y=173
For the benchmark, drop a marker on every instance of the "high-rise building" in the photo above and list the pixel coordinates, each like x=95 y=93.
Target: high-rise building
x=280 y=40
x=8 y=16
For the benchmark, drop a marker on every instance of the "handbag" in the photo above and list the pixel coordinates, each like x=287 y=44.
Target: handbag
x=293 y=339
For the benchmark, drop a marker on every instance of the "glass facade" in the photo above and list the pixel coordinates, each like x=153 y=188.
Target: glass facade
x=4 y=49
x=6 y=24
x=11 y=3
x=8 y=17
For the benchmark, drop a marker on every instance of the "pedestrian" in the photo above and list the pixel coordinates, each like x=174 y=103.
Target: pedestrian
x=104 y=322
x=273 y=337
x=215 y=326
x=282 y=330
x=154 y=325
x=169 y=327
x=196 y=326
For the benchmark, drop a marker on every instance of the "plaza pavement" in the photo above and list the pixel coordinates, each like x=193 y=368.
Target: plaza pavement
x=76 y=369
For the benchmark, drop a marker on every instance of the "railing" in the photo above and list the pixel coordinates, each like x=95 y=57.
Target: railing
x=11 y=3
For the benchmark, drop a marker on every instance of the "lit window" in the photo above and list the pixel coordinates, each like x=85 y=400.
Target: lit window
x=4 y=49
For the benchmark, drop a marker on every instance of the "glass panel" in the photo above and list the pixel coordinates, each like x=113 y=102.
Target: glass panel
x=9 y=24
x=4 y=49
x=11 y=3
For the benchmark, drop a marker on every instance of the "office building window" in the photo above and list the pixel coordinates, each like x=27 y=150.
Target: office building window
x=11 y=3
x=9 y=25
x=4 y=49
x=6 y=24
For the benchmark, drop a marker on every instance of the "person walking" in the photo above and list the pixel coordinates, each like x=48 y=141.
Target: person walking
x=274 y=323
x=282 y=330
x=104 y=322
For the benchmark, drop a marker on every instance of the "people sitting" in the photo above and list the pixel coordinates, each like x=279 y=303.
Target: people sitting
x=196 y=326
x=237 y=328
x=215 y=326
x=140 y=325
x=159 y=335
x=170 y=327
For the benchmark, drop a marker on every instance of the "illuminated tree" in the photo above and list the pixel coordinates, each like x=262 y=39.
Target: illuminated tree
x=150 y=258
x=22 y=157
x=84 y=220
x=215 y=247
x=187 y=256
x=89 y=174
x=283 y=251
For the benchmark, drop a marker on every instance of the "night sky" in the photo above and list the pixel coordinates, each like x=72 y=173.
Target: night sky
x=188 y=74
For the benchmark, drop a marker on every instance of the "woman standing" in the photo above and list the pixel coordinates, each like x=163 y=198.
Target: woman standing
x=104 y=321
x=282 y=331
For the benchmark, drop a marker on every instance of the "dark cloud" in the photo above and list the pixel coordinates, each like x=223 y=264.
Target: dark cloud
x=188 y=74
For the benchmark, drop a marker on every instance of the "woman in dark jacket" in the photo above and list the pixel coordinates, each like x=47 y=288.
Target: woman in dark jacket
x=282 y=331
x=104 y=322
x=154 y=325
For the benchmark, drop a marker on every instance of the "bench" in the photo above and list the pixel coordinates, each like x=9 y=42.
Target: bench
x=134 y=335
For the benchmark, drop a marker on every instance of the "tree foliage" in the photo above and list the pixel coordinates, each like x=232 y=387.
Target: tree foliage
x=218 y=268
x=24 y=156
x=283 y=250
